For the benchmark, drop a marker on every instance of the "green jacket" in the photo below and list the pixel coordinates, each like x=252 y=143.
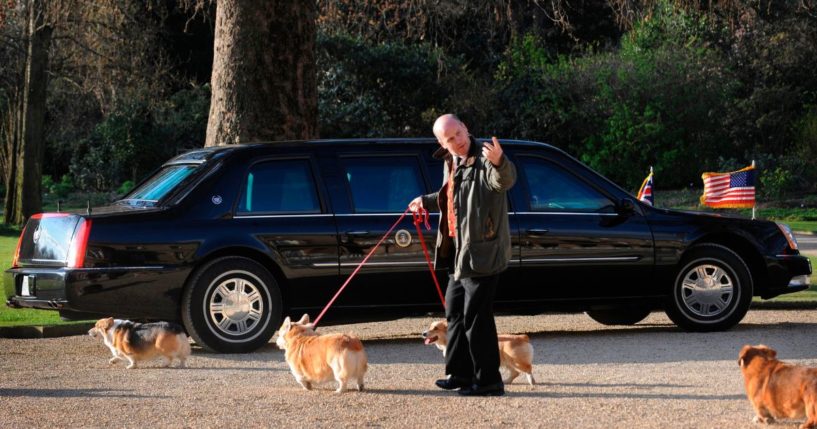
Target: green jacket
x=482 y=246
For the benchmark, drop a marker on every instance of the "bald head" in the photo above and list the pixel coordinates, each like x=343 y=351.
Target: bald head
x=452 y=134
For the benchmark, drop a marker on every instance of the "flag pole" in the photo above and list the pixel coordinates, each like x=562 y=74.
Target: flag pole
x=753 y=206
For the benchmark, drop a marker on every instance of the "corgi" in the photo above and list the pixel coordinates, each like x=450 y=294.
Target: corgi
x=314 y=358
x=515 y=351
x=777 y=389
x=142 y=341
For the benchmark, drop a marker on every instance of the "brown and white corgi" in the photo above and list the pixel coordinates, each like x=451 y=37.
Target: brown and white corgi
x=314 y=358
x=515 y=351
x=142 y=341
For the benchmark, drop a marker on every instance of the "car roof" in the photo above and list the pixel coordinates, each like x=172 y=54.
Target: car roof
x=198 y=156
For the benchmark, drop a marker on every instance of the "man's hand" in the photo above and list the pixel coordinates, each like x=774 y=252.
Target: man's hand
x=493 y=152
x=416 y=204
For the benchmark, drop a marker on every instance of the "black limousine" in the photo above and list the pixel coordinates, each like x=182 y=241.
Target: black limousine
x=230 y=239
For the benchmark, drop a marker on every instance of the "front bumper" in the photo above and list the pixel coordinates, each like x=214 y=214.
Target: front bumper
x=787 y=274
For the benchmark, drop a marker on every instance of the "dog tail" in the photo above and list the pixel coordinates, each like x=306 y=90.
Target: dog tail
x=184 y=348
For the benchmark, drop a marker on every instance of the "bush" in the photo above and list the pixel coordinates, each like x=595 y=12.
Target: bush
x=658 y=100
x=138 y=137
x=383 y=89
x=126 y=187
x=59 y=189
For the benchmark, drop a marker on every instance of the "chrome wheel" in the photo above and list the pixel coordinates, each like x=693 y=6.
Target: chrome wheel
x=235 y=305
x=231 y=305
x=707 y=290
x=712 y=290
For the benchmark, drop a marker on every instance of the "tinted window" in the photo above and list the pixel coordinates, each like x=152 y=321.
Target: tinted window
x=161 y=183
x=381 y=185
x=285 y=186
x=553 y=189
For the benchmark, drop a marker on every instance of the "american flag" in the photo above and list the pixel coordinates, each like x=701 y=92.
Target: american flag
x=730 y=190
x=645 y=193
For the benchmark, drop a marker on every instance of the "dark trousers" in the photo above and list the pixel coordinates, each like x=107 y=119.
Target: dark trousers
x=472 y=354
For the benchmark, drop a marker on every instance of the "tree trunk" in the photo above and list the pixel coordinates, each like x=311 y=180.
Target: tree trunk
x=30 y=163
x=264 y=85
x=11 y=155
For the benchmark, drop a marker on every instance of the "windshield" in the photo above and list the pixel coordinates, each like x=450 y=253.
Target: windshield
x=164 y=181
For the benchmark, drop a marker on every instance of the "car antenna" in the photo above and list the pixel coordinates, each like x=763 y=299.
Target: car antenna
x=88 y=209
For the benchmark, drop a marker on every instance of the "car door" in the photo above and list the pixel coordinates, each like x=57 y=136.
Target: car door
x=575 y=240
x=281 y=202
x=377 y=189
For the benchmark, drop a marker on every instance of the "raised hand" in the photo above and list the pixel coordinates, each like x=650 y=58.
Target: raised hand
x=493 y=152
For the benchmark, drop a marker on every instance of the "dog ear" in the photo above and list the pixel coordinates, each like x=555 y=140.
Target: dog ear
x=286 y=325
x=304 y=319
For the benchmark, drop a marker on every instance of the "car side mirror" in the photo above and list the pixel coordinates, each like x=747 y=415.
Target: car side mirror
x=626 y=206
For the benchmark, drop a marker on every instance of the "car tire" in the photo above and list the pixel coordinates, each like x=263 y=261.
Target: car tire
x=623 y=315
x=232 y=305
x=712 y=290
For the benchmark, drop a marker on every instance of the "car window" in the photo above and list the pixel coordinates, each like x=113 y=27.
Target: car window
x=161 y=183
x=383 y=184
x=285 y=186
x=553 y=189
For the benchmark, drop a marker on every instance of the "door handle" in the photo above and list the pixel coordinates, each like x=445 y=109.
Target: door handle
x=357 y=233
x=537 y=231
x=349 y=236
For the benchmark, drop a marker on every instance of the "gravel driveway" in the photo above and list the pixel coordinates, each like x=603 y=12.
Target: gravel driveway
x=648 y=375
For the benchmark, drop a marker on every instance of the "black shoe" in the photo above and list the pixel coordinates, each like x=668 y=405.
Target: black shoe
x=452 y=383
x=497 y=389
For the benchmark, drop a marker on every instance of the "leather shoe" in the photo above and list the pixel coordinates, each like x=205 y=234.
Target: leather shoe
x=452 y=383
x=496 y=389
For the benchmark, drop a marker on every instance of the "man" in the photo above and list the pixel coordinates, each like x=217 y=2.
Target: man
x=474 y=243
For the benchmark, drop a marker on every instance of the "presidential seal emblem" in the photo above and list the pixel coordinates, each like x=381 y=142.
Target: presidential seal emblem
x=402 y=238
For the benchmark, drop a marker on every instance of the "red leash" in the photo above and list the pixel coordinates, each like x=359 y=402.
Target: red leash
x=419 y=217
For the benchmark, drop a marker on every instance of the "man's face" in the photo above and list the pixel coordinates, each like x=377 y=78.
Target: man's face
x=453 y=136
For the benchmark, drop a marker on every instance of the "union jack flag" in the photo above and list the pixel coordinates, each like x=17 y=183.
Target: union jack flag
x=645 y=192
x=735 y=189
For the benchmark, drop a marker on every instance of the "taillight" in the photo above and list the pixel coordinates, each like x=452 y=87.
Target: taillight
x=76 y=253
x=17 y=252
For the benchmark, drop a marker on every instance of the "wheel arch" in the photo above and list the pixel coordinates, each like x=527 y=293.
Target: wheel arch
x=743 y=248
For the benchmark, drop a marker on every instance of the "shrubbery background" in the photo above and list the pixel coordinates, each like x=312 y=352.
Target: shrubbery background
x=683 y=89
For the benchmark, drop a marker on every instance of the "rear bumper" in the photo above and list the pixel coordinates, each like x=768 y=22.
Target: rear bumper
x=126 y=292
x=46 y=288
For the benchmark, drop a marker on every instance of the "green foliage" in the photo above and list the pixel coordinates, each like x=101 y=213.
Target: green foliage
x=137 y=137
x=63 y=187
x=59 y=189
x=658 y=100
x=368 y=90
x=126 y=187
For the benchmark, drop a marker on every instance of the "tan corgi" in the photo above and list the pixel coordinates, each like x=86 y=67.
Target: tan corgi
x=314 y=358
x=142 y=341
x=778 y=390
x=515 y=351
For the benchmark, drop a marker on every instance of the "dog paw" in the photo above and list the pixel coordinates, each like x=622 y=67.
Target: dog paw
x=764 y=420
